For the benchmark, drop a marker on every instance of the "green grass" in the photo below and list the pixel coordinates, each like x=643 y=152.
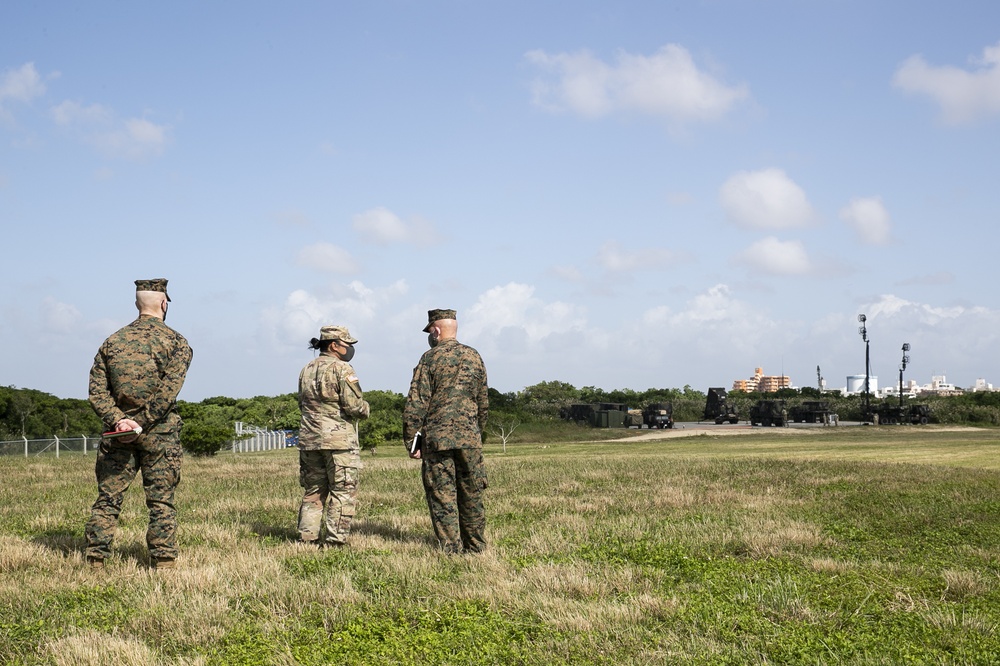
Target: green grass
x=832 y=546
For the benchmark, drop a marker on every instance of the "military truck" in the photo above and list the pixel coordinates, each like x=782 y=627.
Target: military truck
x=718 y=408
x=810 y=411
x=658 y=415
x=768 y=413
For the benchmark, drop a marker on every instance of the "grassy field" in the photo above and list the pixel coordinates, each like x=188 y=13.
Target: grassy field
x=834 y=546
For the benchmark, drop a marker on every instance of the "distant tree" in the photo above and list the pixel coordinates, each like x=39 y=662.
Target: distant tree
x=271 y=413
x=626 y=397
x=23 y=406
x=207 y=427
x=504 y=402
x=503 y=428
x=384 y=423
x=554 y=392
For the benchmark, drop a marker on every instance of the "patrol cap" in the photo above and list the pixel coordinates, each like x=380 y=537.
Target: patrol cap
x=435 y=315
x=156 y=284
x=336 y=333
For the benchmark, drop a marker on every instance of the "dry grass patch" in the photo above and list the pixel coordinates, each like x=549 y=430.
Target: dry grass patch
x=961 y=584
x=92 y=648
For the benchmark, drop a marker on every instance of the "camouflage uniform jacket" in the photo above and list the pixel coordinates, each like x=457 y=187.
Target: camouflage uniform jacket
x=137 y=374
x=330 y=400
x=448 y=400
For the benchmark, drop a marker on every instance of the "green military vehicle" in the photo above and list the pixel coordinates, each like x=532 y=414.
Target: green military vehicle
x=658 y=415
x=654 y=415
x=810 y=411
x=718 y=408
x=769 y=413
x=597 y=415
x=894 y=414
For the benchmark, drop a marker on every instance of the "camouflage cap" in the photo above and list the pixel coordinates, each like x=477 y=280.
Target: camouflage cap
x=336 y=333
x=435 y=315
x=156 y=284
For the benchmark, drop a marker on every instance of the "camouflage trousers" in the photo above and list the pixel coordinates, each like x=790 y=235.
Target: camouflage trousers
x=454 y=481
x=158 y=458
x=330 y=481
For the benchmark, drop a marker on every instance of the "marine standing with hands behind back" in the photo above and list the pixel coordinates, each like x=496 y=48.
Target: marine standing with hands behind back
x=331 y=403
x=134 y=382
x=448 y=404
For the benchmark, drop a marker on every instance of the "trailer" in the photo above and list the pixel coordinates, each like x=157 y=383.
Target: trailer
x=890 y=414
x=810 y=411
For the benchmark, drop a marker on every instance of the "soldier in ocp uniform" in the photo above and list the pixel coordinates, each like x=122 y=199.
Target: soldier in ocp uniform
x=134 y=382
x=331 y=402
x=448 y=403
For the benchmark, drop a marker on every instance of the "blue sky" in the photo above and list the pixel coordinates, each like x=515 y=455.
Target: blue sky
x=624 y=195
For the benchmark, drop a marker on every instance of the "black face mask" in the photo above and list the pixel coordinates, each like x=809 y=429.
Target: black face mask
x=349 y=354
x=431 y=341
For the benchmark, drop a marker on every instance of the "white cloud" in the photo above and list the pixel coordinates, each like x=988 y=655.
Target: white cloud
x=380 y=226
x=666 y=84
x=130 y=139
x=612 y=257
x=60 y=319
x=712 y=320
x=869 y=218
x=134 y=139
x=21 y=85
x=383 y=227
x=73 y=113
x=943 y=338
x=328 y=258
x=774 y=257
x=767 y=199
x=514 y=306
x=964 y=96
x=353 y=305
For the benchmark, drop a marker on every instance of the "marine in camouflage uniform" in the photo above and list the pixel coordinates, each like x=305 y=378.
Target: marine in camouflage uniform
x=331 y=402
x=448 y=403
x=136 y=377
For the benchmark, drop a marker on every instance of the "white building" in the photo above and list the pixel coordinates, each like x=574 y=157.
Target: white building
x=981 y=385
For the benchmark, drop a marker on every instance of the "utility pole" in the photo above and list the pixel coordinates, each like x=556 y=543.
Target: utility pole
x=864 y=336
x=902 y=366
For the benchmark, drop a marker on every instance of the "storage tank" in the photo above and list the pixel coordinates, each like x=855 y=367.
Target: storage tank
x=856 y=384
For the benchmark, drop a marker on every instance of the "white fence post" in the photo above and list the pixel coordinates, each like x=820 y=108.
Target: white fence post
x=25 y=445
x=57 y=445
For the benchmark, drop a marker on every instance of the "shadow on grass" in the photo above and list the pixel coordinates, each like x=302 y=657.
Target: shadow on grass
x=290 y=533
x=67 y=543
x=392 y=533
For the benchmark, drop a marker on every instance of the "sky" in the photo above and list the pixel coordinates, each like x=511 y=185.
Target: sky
x=622 y=195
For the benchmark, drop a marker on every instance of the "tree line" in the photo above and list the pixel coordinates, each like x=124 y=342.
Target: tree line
x=210 y=424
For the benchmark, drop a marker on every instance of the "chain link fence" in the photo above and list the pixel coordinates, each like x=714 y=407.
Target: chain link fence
x=248 y=439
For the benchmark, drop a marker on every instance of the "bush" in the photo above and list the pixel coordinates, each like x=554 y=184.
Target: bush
x=204 y=438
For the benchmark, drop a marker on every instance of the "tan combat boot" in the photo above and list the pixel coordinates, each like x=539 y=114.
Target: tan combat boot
x=164 y=563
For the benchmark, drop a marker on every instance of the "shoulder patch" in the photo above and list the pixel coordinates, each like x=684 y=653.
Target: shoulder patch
x=353 y=378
